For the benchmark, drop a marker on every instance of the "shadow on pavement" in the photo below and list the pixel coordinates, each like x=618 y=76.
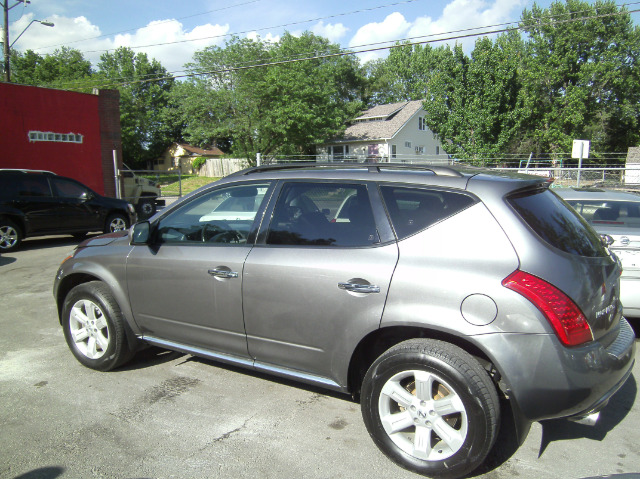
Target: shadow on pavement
x=4 y=260
x=42 y=473
x=612 y=415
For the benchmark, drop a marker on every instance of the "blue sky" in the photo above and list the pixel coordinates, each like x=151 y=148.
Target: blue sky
x=94 y=26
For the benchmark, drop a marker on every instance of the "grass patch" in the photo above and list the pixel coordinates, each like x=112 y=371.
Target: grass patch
x=170 y=184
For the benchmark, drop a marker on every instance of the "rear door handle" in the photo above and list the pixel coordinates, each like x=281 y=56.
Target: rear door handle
x=223 y=273
x=359 y=288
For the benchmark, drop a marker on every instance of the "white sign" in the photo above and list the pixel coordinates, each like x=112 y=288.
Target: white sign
x=580 y=149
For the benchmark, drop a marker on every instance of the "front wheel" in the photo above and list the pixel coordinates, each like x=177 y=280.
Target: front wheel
x=94 y=327
x=431 y=408
x=10 y=235
x=116 y=222
x=147 y=206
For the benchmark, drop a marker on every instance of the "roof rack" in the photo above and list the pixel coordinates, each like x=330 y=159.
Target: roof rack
x=372 y=167
x=25 y=170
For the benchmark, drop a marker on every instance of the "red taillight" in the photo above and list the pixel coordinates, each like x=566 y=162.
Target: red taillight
x=565 y=317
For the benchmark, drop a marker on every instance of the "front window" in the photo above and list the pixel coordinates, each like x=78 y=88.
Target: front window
x=68 y=189
x=222 y=216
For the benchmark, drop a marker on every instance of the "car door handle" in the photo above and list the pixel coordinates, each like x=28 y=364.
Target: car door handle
x=222 y=273
x=359 y=288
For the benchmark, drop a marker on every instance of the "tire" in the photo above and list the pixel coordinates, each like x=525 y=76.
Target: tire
x=94 y=327
x=147 y=207
x=116 y=222
x=421 y=390
x=10 y=235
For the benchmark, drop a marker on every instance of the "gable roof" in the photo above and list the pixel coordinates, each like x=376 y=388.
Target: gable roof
x=195 y=151
x=381 y=121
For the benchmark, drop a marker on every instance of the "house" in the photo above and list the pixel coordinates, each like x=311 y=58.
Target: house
x=396 y=132
x=182 y=154
x=632 y=166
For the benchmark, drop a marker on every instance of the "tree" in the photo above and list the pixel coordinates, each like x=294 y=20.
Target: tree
x=581 y=79
x=249 y=92
x=144 y=94
x=65 y=67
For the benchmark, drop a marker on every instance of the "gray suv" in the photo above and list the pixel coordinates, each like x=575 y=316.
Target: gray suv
x=441 y=299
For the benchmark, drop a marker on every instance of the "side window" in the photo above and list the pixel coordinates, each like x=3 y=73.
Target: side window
x=32 y=185
x=414 y=209
x=68 y=189
x=223 y=216
x=323 y=214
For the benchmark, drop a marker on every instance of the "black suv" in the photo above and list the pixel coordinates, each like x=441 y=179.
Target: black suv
x=38 y=203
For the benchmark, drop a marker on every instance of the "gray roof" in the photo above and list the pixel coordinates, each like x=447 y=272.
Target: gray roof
x=384 y=121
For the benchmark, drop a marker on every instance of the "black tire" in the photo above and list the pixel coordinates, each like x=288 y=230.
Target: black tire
x=10 y=235
x=94 y=327
x=146 y=207
x=449 y=375
x=116 y=222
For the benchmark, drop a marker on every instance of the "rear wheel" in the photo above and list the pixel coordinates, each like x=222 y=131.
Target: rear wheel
x=116 y=222
x=10 y=235
x=147 y=207
x=431 y=408
x=94 y=327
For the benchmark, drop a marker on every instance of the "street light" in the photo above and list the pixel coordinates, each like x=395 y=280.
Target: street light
x=7 y=46
x=46 y=24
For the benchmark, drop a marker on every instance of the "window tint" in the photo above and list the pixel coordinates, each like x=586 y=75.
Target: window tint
x=68 y=189
x=223 y=216
x=32 y=185
x=323 y=214
x=414 y=209
x=557 y=224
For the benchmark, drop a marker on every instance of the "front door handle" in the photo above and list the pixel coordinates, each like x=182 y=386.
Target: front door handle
x=223 y=273
x=359 y=288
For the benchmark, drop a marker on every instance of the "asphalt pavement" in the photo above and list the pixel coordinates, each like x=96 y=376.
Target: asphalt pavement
x=171 y=415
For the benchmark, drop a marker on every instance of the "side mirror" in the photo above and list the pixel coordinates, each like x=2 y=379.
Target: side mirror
x=140 y=233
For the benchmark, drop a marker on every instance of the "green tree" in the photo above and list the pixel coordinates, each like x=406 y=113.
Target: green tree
x=281 y=108
x=581 y=78
x=64 y=67
x=144 y=95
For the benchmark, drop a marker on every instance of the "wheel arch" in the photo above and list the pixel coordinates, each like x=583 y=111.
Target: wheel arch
x=380 y=340
x=67 y=283
x=18 y=219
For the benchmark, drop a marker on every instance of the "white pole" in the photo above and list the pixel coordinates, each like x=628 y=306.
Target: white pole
x=115 y=174
x=580 y=163
x=258 y=159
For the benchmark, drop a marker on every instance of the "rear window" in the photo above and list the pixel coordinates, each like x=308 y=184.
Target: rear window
x=414 y=209
x=618 y=213
x=557 y=224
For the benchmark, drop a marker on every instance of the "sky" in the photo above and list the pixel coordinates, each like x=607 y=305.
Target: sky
x=184 y=27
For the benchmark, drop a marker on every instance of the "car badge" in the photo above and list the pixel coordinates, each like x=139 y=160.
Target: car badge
x=625 y=241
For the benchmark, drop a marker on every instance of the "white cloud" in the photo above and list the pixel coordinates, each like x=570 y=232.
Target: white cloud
x=457 y=15
x=79 y=33
x=332 y=32
x=394 y=26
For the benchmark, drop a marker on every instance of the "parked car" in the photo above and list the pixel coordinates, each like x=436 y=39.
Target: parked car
x=445 y=298
x=38 y=203
x=616 y=214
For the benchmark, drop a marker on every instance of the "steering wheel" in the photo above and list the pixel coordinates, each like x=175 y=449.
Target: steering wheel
x=210 y=230
x=227 y=237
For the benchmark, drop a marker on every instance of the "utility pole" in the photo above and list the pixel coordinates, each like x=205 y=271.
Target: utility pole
x=6 y=46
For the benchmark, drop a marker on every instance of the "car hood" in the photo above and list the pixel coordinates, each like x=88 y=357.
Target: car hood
x=103 y=240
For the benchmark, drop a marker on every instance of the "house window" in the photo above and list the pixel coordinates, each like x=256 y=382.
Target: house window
x=422 y=125
x=407 y=144
x=419 y=150
x=339 y=152
x=437 y=150
x=394 y=153
x=55 y=137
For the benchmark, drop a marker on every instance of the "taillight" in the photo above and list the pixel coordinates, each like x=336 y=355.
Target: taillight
x=568 y=322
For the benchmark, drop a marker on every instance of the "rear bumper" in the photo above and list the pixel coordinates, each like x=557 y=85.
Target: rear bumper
x=546 y=380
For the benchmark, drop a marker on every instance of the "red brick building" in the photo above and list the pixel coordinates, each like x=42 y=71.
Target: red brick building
x=72 y=134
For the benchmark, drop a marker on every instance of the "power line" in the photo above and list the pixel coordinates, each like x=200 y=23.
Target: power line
x=284 y=25
x=316 y=56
